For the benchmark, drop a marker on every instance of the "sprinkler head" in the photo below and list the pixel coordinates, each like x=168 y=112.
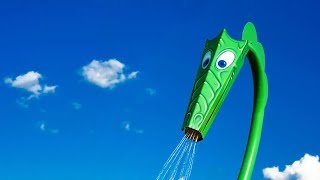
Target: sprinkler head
x=193 y=135
x=221 y=62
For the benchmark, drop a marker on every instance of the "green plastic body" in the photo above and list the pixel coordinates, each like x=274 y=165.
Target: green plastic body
x=214 y=80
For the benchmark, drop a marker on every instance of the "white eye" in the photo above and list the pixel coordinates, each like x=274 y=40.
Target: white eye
x=225 y=60
x=206 y=60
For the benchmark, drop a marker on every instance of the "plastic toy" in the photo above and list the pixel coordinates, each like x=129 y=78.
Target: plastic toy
x=221 y=62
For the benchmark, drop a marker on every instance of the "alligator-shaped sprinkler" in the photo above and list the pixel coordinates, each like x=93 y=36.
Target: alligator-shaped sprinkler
x=221 y=62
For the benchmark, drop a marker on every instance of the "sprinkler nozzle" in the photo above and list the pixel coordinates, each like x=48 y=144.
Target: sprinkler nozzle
x=193 y=135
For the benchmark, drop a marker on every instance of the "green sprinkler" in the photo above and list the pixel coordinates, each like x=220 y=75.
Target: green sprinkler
x=221 y=62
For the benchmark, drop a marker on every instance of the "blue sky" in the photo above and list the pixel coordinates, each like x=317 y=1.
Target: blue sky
x=64 y=125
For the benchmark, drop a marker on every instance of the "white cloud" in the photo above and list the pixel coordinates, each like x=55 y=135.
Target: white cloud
x=53 y=131
x=76 y=105
x=139 y=131
x=106 y=74
x=133 y=75
x=31 y=83
x=49 y=89
x=23 y=102
x=128 y=127
x=307 y=168
x=151 y=91
x=28 y=81
x=43 y=128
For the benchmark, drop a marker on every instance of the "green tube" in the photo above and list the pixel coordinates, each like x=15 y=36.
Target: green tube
x=221 y=62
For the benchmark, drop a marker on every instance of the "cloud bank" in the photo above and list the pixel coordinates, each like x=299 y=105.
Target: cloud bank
x=307 y=168
x=106 y=74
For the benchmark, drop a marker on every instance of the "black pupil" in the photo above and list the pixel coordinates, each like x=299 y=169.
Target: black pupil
x=206 y=62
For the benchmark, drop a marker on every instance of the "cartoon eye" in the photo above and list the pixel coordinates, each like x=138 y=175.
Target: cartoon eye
x=225 y=60
x=206 y=60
